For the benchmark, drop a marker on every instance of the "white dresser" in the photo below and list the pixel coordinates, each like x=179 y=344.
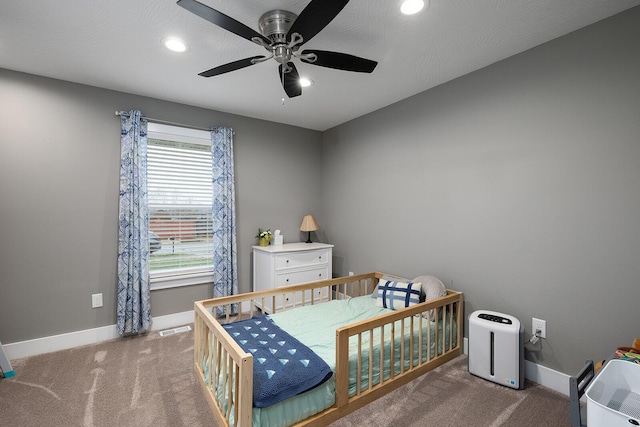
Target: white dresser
x=290 y=264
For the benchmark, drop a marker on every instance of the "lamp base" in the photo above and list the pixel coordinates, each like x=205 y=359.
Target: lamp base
x=309 y=238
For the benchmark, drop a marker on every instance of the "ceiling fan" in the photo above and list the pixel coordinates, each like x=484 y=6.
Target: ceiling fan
x=283 y=33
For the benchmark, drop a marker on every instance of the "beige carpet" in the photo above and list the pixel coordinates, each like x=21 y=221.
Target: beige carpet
x=450 y=396
x=141 y=381
x=149 y=381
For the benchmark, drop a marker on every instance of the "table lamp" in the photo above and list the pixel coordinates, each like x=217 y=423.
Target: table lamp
x=309 y=224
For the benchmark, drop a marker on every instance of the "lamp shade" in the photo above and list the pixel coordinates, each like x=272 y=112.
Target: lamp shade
x=309 y=224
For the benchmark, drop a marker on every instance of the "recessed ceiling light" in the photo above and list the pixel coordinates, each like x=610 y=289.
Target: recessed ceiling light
x=409 y=7
x=175 y=44
x=305 y=82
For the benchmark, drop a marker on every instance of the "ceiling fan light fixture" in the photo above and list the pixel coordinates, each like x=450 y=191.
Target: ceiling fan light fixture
x=305 y=82
x=409 y=7
x=174 y=44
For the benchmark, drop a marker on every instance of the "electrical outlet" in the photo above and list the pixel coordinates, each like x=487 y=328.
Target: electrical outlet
x=351 y=273
x=96 y=300
x=541 y=325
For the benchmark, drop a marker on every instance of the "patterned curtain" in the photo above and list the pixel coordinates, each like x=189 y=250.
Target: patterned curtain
x=225 y=265
x=134 y=308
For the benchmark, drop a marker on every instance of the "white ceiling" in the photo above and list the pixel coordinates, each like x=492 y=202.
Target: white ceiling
x=116 y=44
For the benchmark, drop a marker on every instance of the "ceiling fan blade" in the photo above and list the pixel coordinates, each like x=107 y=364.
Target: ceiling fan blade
x=340 y=61
x=221 y=20
x=231 y=66
x=315 y=17
x=290 y=81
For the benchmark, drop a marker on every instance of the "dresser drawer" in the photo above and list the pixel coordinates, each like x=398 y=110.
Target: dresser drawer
x=302 y=259
x=293 y=278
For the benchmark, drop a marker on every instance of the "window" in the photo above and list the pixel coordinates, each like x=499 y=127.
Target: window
x=180 y=213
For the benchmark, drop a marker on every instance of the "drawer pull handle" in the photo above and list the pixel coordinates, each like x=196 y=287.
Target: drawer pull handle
x=287 y=280
x=287 y=261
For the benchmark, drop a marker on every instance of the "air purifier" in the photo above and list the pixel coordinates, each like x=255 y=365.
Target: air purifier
x=496 y=348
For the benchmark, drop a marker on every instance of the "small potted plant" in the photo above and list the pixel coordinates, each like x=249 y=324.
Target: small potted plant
x=264 y=236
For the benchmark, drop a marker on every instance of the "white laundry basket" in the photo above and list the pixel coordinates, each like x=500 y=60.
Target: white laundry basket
x=613 y=397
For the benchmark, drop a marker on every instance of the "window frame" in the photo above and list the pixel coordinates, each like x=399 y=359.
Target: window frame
x=184 y=276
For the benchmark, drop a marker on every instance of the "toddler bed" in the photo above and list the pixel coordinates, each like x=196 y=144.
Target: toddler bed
x=370 y=349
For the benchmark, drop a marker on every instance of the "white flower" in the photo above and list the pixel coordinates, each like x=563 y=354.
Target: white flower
x=264 y=233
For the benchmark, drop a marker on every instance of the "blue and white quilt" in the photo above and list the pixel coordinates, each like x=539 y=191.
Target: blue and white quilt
x=282 y=365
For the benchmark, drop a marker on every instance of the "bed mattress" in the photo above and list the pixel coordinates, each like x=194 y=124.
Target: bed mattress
x=318 y=332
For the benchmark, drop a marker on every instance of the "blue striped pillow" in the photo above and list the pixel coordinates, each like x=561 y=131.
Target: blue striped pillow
x=396 y=295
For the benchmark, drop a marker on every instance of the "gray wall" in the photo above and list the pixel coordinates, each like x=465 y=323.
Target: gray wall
x=518 y=184
x=59 y=165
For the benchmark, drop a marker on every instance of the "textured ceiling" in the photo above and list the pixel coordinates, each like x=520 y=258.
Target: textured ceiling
x=116 y=44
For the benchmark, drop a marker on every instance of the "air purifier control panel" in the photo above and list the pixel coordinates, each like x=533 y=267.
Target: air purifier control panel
x=495 y=318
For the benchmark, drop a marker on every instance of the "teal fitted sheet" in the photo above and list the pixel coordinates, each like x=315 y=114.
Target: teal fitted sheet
x=318 y=332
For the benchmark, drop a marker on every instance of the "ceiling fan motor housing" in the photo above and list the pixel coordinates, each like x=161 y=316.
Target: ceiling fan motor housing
x=275 y=25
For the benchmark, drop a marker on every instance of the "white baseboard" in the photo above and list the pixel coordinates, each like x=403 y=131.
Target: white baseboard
x=42 y=345
x=547 y=377
x=537 y=373
x=540 y=374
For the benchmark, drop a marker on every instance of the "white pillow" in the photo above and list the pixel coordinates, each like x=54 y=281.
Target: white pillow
x=432 y=288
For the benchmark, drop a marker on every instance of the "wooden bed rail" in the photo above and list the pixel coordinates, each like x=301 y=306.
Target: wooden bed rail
x=225 y=371
x=409 y=329
x=293 y=296
x=222 y=363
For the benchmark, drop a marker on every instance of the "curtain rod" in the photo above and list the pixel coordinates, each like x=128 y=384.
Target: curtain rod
x=165 y=122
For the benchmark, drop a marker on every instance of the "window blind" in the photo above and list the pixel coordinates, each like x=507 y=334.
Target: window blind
x=180 y=213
